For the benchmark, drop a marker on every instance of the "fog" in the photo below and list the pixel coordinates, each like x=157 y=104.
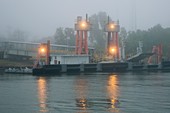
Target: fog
x=40 y=18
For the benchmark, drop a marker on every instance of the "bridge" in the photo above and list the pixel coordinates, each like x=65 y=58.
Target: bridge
x=139 y=56
x=17 y=49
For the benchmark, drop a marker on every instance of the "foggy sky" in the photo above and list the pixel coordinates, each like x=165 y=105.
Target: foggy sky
x=40 y=18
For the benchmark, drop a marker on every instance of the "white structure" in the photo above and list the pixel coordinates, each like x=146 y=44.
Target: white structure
x=139 y=49
x=28 y=49
x=123 y=49
x=69 y=59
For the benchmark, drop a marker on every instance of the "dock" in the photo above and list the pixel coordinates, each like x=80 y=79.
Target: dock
x=99 y=67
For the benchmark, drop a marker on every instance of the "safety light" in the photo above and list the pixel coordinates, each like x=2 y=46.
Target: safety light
x=83 y=24
x=42 y=50
x=112 y=26
x=112 y=50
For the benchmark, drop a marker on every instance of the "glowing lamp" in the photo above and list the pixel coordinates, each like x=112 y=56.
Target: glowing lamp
x=83 y=24
x=112 y=26
x=112 y=50
x=42 y=50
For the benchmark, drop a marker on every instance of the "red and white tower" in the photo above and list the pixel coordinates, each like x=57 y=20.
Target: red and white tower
x=82 y=27
x=112 y=28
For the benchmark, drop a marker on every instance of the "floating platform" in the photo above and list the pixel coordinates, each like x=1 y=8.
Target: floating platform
x=99 y=67
x=79 y=68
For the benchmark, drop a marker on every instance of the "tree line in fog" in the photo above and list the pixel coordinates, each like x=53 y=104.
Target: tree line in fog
x=151 y=37
x=98 y=38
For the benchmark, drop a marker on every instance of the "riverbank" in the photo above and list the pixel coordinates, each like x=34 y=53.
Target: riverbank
x=15 y=63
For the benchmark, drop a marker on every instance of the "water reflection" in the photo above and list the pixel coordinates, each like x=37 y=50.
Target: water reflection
x=113 y=93
x=42 y=94
x=81 y=93
x=111 y=102
x=82 y=103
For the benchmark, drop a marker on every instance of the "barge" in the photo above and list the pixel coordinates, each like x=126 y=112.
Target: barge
x=99 y=67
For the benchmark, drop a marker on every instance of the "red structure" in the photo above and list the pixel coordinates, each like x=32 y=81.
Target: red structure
x=43 y=56
x=112 y=29
x=48 y=53
x=82 y=27
x=157 y=57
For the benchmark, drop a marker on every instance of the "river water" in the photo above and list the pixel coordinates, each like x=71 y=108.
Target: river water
x=86 y=93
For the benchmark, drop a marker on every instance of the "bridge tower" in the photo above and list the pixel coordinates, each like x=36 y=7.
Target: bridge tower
x=82 y=27
x=112 y=28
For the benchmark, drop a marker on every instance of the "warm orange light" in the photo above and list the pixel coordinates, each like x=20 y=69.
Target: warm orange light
x=113 y=91
x=112 y=26
x=42 y=94
x=81 y=87
x=83 y=24
x=42 y=50
x=112 y=50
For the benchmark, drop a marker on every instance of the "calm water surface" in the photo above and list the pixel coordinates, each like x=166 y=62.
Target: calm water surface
x=86 y=93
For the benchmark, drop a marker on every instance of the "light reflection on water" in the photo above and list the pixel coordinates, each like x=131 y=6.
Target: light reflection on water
x=113 y=93
x=42 y=94
x=86 y=102
x=86 y=93
x=81 y=88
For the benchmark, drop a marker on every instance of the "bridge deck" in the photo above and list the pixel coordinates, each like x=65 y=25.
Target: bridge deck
x=139 y=57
